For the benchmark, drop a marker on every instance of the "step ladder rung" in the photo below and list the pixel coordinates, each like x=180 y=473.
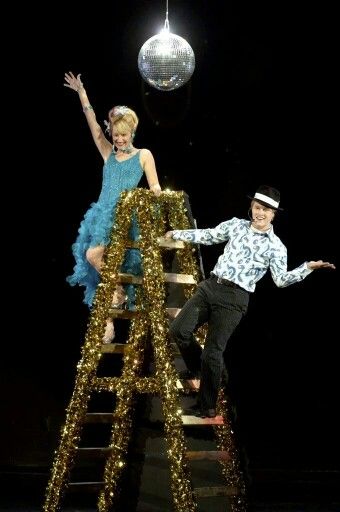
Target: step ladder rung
x=121 y=348
x=85 y=486
x=129 y=315
x=162 y=242
x=131 y=244
x=129 y=279
x=201 y=422
x=98 y=452
x=170 y=243
x=208 y=492
x=140 y=384
x=114 y=348
x=169 y=277
x=179 y=278
x=100 y=417
x=208 y=455
x=123 y=313
x=104 y=451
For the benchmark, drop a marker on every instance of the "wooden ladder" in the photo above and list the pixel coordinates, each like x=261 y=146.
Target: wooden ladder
x=148 y=328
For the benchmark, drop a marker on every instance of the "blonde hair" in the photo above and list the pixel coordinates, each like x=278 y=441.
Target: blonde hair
x=124 y=119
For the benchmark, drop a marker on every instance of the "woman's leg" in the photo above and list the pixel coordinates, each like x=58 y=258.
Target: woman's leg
x=94 y=256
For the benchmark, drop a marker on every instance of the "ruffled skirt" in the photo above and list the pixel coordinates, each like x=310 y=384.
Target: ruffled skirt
x=94 y=230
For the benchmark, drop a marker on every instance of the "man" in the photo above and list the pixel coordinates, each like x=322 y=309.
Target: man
x=222 y=299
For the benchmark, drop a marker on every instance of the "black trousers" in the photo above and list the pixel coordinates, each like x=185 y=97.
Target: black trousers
x=223 y=307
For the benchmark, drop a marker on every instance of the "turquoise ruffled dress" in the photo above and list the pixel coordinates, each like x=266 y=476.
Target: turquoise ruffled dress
x=96 y=226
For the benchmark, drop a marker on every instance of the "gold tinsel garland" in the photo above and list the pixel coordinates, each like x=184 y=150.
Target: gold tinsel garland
x=166 y=374
x=86 y=369
x=231 y=469
x=148 y=212
x=154 y=216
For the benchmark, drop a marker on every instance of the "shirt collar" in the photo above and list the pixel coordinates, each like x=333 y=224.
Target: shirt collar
x=269 y=233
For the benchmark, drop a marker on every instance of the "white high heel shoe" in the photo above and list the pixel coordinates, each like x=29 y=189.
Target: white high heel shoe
x=119 y=298
x=109 y=332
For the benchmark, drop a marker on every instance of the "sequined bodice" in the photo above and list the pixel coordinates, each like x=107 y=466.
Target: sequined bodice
x=119 y=176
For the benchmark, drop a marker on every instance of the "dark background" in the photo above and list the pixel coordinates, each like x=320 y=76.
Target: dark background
x=261 y=108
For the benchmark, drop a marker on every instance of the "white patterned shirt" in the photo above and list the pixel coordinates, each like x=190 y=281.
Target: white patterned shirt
x=248 y=254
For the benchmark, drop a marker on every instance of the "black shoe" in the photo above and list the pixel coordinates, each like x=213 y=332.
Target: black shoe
x=208 y=413
x=188 y=375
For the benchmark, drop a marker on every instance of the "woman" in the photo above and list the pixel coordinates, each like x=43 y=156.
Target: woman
x=123 y=169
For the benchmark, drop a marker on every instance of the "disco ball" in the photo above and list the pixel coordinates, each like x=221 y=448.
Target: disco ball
x=166 y=61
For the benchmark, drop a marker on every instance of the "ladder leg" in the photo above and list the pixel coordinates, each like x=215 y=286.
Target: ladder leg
x=231 y=468
x=182 y=490
x=69 y=440
x=122 y=429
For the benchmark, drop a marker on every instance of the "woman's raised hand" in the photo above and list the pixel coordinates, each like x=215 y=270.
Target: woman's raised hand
x=73 y=82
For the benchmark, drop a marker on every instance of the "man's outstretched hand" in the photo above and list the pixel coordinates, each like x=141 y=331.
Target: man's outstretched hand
x=314 y=265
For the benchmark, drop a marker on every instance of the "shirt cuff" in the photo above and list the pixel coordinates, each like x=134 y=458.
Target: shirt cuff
x=176 y=234
x=306 y=270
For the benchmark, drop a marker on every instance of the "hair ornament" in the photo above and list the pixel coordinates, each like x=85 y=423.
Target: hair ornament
x=121 y=110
